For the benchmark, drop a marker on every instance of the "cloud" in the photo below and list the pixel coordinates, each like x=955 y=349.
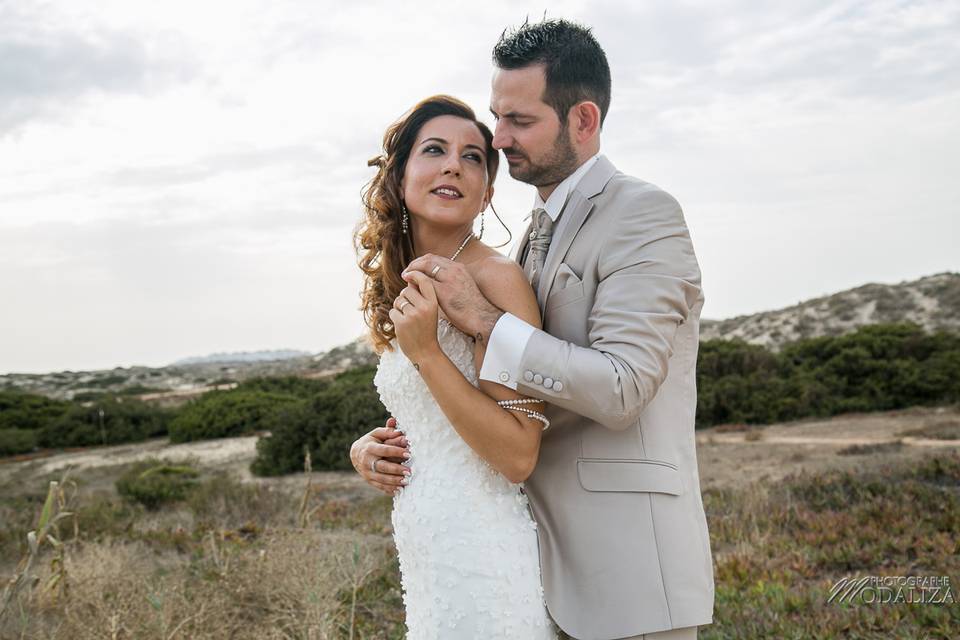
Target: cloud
x=46 y=67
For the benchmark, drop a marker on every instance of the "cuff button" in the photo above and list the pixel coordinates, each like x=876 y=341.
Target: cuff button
x=528 y=375
x=504 y=376
x=557 y=386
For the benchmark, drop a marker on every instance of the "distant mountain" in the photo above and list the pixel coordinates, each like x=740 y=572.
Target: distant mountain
x=932 y=302
x=243 y=356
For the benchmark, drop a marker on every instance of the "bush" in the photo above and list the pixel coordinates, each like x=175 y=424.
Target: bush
x=154 y=483
x=19 y=410
x=123 y=420
x=14 y=441
x=221 y=414
x=326 y=425
x=876 y=368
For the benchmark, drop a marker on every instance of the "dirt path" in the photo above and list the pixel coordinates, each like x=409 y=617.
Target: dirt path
x=726 y=458
x=761 y=454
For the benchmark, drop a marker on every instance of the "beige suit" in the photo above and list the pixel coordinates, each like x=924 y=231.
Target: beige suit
x=624 y=547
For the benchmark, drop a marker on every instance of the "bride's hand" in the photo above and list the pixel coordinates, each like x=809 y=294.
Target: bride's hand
x=414 y=317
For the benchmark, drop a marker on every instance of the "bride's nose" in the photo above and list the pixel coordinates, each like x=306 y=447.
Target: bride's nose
x=452 y=166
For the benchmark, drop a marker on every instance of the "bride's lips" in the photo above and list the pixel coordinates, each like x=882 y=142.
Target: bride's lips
x=447 y=192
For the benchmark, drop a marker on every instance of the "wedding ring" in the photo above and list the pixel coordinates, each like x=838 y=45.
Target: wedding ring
x=402 y=305
x=373 y=465
x=435 y=271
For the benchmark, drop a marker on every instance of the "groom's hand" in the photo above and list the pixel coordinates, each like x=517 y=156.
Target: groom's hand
x=385 y=449
x=458 y=294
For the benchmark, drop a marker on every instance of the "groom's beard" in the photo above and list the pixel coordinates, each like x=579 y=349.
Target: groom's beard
x=559 y=163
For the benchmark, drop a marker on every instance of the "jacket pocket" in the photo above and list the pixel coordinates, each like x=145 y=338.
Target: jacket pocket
x=567 y=288
x=651 y=476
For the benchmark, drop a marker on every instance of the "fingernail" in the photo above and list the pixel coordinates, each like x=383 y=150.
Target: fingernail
x=406 y=472
x=405 y=481
x=406 y=454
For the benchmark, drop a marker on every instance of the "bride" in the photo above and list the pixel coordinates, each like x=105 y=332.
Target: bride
x=466 y=541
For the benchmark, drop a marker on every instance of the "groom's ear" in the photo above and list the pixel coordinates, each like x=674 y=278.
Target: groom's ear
x=585 y=120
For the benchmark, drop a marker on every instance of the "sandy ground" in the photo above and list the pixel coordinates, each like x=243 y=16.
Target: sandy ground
x=769 y=453
x=727 y=456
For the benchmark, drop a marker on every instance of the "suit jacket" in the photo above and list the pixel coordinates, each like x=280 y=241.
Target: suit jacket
x=624 y=547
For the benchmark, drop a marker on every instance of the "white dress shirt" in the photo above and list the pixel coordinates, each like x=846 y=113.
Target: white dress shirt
x=510 y=335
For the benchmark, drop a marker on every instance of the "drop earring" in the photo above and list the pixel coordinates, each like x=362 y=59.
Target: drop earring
x=405 y=220
x=479 y=237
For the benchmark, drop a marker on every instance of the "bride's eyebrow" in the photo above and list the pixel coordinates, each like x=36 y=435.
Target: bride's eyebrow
x=442 y=141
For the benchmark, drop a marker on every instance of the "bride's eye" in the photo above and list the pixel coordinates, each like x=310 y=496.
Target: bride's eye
x=475 y=157
x=432 y=148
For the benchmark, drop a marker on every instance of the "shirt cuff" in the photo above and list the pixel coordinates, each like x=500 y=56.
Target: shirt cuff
x=508 y=340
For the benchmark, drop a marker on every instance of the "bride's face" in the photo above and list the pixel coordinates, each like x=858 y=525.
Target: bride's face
x=445 y=181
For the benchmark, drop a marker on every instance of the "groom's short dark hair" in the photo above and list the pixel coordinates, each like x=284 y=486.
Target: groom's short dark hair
x=575 y=65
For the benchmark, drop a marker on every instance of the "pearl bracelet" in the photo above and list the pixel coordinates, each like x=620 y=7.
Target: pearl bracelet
x=530 y=413
x=511 y=403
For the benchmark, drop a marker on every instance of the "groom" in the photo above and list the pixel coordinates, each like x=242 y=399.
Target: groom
x=624 y=548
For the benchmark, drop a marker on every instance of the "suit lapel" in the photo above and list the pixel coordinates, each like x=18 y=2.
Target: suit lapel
x=578 y=208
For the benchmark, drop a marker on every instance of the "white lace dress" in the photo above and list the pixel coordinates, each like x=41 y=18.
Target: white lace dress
x=467 y=543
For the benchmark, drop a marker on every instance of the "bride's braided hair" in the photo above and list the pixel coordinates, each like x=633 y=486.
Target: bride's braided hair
x=383 y=250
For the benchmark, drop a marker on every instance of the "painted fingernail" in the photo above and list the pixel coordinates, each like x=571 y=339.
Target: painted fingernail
x=405 y=481
x=406 y=472
x=406 y=454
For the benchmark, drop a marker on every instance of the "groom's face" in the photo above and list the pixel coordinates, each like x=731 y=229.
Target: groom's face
x=536 y=144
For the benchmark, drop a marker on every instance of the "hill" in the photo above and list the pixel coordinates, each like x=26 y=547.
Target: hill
x=933 y=302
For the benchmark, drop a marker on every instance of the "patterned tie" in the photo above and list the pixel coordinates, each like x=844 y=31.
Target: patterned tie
x=540 y=234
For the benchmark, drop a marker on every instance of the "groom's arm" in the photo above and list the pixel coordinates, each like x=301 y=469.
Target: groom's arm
x=649 y=281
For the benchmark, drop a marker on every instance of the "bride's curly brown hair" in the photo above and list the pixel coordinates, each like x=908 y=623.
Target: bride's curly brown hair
x=383 y=249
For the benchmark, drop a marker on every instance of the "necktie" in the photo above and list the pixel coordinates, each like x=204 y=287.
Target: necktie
x=540 y=234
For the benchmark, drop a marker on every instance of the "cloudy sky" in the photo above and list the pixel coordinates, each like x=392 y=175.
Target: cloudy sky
x=181 y=178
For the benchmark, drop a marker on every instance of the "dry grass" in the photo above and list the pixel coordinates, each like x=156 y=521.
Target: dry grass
x=237 y=560
x=229 y=562
x=936 y=430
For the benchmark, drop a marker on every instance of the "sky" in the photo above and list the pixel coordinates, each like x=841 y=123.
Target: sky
x=183 y=178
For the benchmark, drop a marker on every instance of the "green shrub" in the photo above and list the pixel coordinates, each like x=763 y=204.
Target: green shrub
x=876 y=368
x=14 y=441
x=154 y=483
x=19 y=410
x=123 y=420
x=327 y=424
x=221 y=414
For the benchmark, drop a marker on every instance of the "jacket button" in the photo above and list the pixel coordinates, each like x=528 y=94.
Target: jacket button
x=538 y=379
x=557 y=386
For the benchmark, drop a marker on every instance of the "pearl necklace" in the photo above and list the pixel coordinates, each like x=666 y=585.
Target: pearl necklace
x=463 y=244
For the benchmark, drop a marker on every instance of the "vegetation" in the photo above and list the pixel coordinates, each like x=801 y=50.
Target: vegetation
x=20 y=410
x=109 y=420
x=251 y=407
x=324 y=425
x=235 y=560
x=154 y=483
x=14 y=441
x=876 y=368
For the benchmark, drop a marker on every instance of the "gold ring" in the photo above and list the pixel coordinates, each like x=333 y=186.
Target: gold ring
x=402 y=305
x=435 y=271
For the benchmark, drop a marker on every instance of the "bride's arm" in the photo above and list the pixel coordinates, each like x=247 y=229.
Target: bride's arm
x=508 y=440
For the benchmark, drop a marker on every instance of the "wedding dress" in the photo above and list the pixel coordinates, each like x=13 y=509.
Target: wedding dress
x=467 y=544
